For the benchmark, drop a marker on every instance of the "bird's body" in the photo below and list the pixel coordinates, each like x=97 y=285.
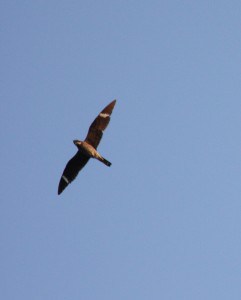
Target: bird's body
x=89 y=151
x=87 y=148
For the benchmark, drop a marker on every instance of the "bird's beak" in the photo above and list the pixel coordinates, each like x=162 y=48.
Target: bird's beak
x=75 y=142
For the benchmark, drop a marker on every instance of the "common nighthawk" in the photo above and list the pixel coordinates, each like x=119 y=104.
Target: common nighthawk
x=87 y=148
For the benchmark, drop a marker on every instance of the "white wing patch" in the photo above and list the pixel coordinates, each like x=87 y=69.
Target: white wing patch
x=104 y=115
x=65 y=179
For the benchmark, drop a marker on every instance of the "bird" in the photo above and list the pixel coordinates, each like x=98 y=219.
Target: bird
x=88 y=148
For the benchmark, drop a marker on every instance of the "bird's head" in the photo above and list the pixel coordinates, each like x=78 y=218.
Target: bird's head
x=77 y=143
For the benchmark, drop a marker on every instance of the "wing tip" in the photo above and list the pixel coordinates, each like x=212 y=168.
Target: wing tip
x=62 y=184
x=109 y=107
x=60 y=190
x=113 y=102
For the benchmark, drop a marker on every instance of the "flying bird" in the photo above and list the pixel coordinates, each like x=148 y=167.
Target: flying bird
x=88 y=148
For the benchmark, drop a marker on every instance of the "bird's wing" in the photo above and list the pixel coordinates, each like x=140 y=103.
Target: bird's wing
x=75 y=164
x=99 y=125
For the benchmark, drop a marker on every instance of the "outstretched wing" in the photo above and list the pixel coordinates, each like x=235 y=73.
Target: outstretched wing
x=99 y=125
x=71 y=170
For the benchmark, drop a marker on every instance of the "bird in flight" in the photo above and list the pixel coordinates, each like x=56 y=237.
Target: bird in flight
x=88 y=148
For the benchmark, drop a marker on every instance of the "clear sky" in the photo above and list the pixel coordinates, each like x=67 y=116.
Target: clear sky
x=164 y=222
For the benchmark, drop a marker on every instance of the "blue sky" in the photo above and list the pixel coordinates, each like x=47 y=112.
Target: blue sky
x=164 y=222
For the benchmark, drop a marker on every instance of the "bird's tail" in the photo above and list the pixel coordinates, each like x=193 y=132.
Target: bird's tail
x=105 y=161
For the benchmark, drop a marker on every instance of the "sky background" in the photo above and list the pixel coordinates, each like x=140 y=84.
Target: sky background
x=164 y=222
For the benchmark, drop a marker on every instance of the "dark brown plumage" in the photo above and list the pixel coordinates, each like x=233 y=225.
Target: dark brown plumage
x=87 y=148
